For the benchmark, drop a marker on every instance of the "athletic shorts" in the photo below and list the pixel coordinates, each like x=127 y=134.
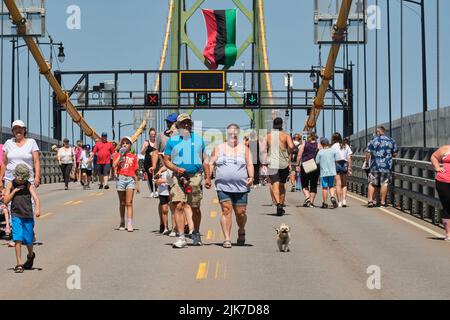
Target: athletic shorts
x=280 y=175
x=327 y=182
x=378 y=179
x=163 y=200
x=342 y=167
x=237 y=199
x=193 y=199
x=103 y=169
x=87 y=172
x=23 y=230
x=125 y=183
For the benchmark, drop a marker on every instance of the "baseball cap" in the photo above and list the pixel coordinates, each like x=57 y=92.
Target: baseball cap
x=172 y=117
x=104 y=134
x=324 y=141
x=54 y=147
x=18 y=123
x=22 y=172
x=184 y=116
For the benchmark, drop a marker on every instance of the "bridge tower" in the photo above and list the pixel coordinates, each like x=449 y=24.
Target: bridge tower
x=181 y=43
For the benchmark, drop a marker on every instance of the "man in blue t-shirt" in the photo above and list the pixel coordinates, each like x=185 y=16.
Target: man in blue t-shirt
x=185 y=156
x=381 y=152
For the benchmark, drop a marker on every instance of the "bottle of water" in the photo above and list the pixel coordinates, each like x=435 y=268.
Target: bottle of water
x=298 y=182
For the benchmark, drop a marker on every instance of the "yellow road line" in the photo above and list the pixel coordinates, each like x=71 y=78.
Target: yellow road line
x=216 y=201
x=213 y=214
x=92 y=194
x=436 y=234
x=210 y=235
x=202 y=272
x=99 y=194
x=46 y=215
x=68 y=202
x=78 y=202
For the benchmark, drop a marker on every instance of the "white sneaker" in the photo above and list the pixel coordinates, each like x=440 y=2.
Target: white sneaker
x=155 y=195
x=340 y=205
x=180 y=243
x=166 y=232
x=152 y=195
x=172 y=234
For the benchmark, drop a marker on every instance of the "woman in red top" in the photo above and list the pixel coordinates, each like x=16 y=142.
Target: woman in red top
x=441 y=163
x=126 y=164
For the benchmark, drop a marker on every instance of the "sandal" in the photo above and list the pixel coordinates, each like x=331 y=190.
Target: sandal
x=227 y=244
x=28 y=265
x=307 y=203
x=18 y=268
x=241 y=239
x=371 y=204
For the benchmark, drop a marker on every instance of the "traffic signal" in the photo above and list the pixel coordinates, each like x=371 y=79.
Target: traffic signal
x=251 y=100
x=202 y=99
x=152 y=100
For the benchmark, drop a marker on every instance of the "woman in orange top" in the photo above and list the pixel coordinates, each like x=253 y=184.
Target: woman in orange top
x=126 y=164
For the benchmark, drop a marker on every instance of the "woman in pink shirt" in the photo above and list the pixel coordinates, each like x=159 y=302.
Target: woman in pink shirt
x=441 y=163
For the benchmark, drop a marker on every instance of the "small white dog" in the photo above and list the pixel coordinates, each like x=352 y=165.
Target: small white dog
x=284 y=238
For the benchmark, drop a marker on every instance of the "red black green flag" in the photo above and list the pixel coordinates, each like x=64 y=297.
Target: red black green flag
x=221 y=37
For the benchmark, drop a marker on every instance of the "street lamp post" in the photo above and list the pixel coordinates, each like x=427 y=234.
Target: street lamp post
x=123 y=125
x=16 y=46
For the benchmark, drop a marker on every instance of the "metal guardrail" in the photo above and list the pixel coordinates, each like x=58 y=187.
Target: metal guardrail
x=50 y=171
x=413 y=187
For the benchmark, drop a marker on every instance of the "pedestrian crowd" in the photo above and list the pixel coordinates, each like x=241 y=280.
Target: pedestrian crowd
x=177 y=168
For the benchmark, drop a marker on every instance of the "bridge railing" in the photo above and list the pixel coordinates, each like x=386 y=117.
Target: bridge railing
x=50 y=171
x=413 y=187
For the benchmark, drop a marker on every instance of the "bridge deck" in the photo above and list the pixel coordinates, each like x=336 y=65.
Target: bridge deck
x=331 y=251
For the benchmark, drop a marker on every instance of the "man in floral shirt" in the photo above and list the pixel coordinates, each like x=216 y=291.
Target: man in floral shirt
x=381 y=152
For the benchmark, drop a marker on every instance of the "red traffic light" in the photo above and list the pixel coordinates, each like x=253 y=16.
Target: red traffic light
x=152 y=100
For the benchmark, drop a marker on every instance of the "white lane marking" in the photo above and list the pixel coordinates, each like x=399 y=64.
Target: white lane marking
x=434 y=233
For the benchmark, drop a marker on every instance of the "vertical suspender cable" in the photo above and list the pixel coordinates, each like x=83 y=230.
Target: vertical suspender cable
x=365 y=91
x=18 y=81
x=40 y=112
x=50 y=96
x=401 y=72
x=438 y=72
x=28 y=87
x=376 y=67
x=389 y=65
x=357 y=74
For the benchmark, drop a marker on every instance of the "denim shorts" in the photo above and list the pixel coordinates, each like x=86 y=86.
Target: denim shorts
x=237 y=199
x=342 y=167
x=23 y=230
x=327 y=182
x=125 y=183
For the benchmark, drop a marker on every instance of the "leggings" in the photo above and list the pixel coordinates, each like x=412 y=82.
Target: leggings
x=310 y=180
x=443 y=190
x=65 y=169
x=150 y=183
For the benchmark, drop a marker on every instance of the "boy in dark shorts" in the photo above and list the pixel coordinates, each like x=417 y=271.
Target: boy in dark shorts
x=19 y=193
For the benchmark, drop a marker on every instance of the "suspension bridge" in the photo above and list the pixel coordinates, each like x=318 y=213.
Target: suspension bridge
x=333 y=252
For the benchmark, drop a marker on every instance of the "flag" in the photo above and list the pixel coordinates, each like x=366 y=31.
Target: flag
x=221 y=37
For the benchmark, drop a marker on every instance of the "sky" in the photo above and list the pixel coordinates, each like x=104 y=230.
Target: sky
x=129 y=35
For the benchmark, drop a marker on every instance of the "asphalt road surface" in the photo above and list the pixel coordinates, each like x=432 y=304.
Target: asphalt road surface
x=352 y=253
